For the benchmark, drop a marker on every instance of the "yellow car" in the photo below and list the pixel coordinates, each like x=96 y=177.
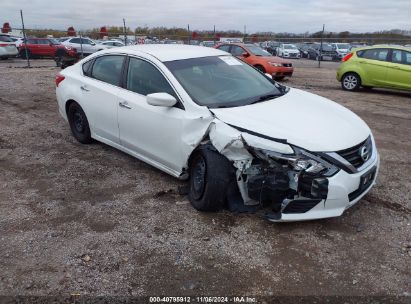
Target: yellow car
x=376 y=66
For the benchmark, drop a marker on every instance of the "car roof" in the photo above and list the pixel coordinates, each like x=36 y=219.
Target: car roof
x=169 y=52
x=385 y=46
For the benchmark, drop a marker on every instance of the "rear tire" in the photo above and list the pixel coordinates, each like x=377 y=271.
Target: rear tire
x=279 y=78
x=210 y=175
x=78 y=123
x=350 y=82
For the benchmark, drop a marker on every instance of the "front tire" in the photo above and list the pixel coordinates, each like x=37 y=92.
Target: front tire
x=210 y=176
x=78 y=123
x=350 y=82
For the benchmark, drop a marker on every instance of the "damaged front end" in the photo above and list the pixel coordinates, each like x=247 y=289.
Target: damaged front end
x=273 y=174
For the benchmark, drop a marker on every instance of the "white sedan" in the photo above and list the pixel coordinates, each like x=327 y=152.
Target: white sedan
x=7 y=47
x=112 y=43
x=83 y=45
x=242 y=139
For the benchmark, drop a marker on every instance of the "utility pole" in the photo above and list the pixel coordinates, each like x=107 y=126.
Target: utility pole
x=25 y=39
x=245 y=31
x=189 y=35
x=214 y=37
x=124 y=29
x=321 y=47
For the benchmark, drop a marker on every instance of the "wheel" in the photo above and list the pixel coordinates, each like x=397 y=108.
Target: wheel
x=308 y=56
x=78 y=123
x=279 y=78
x=60 y=53
x=350 y=82
x=317 y=57
x=23 y=54
x=210 y=175
x=260 y=68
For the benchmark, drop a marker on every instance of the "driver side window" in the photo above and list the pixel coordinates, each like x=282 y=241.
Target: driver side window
x=144 y=78
x=237 y=51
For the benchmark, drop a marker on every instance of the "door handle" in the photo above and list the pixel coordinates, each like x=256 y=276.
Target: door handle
x=124 y=104
x=84 y=88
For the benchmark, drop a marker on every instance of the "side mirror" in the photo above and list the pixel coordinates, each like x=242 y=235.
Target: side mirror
x=245 y=54
x=92 y=43
x=161 y=100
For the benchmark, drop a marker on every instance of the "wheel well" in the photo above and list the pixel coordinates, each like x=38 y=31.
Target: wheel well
x=259 y=65
x=60 y=52
x=68 y=103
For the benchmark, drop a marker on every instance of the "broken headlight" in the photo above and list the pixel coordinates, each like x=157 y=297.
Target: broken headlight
x=301 y=160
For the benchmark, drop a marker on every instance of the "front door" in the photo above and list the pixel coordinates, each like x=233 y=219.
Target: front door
x=151 y=132
x=399 y=69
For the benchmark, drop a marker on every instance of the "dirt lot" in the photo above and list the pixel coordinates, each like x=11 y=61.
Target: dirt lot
x=88 y=219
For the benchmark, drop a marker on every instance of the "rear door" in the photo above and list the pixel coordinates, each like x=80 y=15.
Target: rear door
x=399 y=69
x=99 y=91
x=373 y=63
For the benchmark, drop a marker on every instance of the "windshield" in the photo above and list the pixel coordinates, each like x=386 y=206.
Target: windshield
x=54 y=41
x=224 y=81
x=342 y=46
x=256 y=50
x=290 y=47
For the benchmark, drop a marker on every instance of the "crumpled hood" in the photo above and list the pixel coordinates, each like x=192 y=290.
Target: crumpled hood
x=303 y=119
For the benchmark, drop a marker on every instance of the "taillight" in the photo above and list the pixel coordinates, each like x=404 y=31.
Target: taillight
x=346 y=57
x=59 y=78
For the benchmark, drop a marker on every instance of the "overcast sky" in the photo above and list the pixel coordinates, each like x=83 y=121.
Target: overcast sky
x=296 y=16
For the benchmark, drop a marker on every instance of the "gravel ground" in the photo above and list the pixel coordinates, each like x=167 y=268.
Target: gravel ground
x=90 y=220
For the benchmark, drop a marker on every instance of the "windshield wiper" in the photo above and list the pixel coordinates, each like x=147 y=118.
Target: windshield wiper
x=265 y=97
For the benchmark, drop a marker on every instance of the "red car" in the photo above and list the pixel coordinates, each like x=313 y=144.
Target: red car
x=46 y=47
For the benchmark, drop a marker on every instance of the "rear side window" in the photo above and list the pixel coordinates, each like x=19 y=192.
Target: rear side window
x=43 y=41
x=75 y=40
x=224 y=48
x=108 y=69
x=237 y=51
x=87 y=67
x=144 y=78
x=374 y=54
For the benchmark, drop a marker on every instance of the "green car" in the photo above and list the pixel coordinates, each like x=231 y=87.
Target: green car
x=376 y=66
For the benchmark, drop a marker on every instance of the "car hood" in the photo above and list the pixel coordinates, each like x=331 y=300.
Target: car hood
x=302 y=119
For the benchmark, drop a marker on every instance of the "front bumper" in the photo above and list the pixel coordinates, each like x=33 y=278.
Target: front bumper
x=281 y=71
x=341 y=187
x=292 y=55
